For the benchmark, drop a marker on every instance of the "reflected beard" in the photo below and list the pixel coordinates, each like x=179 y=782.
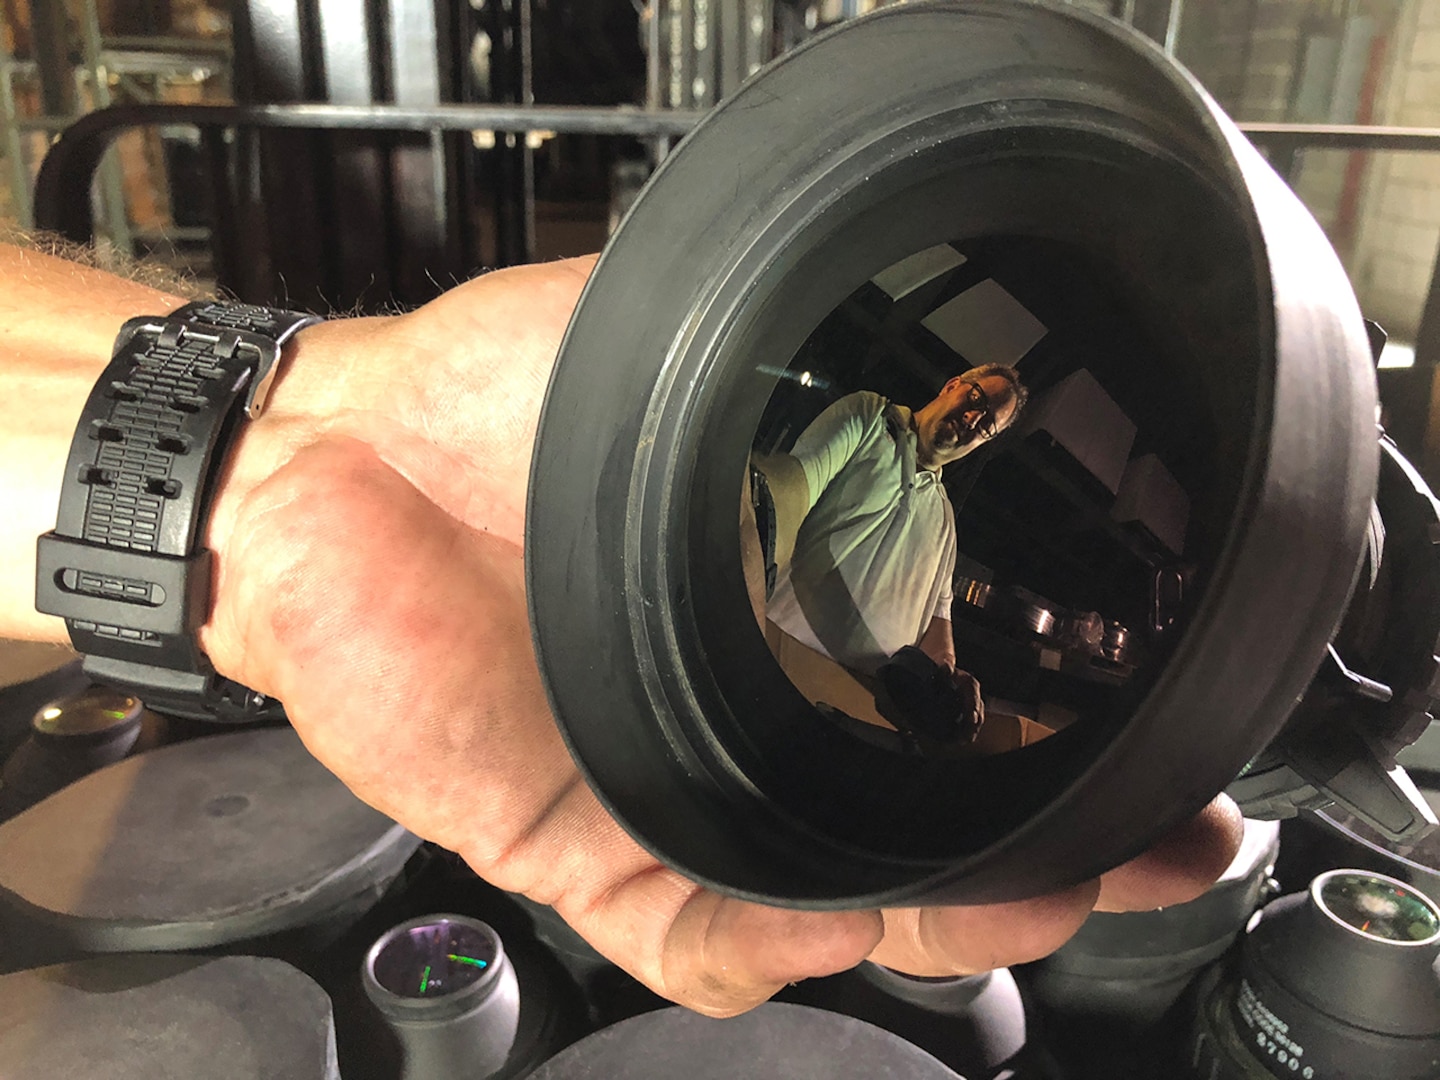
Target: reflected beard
x=951 y=434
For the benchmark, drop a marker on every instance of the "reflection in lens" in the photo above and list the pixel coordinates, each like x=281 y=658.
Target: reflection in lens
x=1379 y=908
x=94 y=710
x=967 y=520
x=435 y=959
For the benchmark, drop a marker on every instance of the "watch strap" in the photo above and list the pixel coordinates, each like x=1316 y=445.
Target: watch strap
x=123 y=565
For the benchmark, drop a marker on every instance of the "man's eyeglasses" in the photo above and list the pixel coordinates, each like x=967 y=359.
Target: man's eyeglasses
x=979 y=401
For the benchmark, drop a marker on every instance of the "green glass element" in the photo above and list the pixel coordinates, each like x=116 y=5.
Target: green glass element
x=425 y=979
x=1380 y=909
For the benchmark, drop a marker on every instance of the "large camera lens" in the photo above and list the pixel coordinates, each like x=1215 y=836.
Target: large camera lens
x=1330 y=982
x=781 y=448
x=448 y=993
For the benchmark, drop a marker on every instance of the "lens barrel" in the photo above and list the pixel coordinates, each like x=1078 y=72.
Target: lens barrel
x=448 y=993
x=1331 y=981
x=918 y=125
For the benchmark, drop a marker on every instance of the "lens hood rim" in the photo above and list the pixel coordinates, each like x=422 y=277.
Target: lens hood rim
x=611 y=627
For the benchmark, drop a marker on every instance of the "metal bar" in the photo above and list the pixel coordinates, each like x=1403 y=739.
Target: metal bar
x=657 y=79
x=705 y=73
x=418 y=204
x=50 y=45
x=218 y=162
x=112 y=186
x=729 y=46
x=270 y=51
x=611 y=120
x=360 y=231
x=172 y=45
x=566 y=119
x=652 y=16
x=153 y=62
x=1172 y=26
x=527 y=153
x=760 y=15
x=682 y=57
x=19 y=176
x=281 y=174
x=508 y=181
x=1343 y=136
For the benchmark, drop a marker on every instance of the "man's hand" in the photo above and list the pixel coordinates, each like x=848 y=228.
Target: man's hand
x=368 y=538
x=969 y=687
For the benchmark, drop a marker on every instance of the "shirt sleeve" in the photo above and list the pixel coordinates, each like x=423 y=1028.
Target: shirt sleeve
x=832 y=438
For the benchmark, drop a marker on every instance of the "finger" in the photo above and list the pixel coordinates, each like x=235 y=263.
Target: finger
x=936 y=941
x=716 y=955
x=1181 y=865
x=723 y=956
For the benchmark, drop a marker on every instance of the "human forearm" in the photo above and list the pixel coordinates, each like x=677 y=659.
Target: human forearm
x=938 y=643
x=57 y=323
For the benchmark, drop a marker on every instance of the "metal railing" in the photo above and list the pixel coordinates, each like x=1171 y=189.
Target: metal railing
x=63 y=203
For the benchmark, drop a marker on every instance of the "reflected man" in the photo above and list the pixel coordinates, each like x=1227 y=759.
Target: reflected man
x=865 y=533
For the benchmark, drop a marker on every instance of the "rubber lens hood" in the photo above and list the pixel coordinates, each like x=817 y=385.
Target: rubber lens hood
x=994 y=123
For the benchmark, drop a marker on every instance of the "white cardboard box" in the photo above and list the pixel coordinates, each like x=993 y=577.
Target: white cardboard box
x=1079 y=415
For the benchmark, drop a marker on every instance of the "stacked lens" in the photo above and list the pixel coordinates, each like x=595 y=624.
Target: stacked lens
x=1329 y=982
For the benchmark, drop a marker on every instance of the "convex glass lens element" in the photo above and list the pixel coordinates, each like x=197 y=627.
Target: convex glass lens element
x=93 y=710
x=1378 y=908
x=981 y=501
x=434 y=960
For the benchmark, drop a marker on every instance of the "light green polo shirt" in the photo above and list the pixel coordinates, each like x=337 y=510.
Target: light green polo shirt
x=875 y=553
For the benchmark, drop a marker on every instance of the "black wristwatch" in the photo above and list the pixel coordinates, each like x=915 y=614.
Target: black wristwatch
x=122 y=566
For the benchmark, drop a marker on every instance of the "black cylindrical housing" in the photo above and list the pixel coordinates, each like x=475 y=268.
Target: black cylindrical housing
x=1338 y=996
x=71 y=737
x=1334 y=983
x=448 y=993
x=918 y=124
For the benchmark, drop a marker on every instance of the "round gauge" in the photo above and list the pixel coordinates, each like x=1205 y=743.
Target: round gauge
x=1378 y=907
x=434 y=958
x=90 y=712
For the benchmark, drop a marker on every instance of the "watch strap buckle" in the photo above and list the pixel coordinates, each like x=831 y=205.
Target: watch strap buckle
x=224 y=341
x=192 y=695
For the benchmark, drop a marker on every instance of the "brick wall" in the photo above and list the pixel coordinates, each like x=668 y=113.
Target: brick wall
x=1270 y=60
x=1382 y=211
x=1399 y=221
